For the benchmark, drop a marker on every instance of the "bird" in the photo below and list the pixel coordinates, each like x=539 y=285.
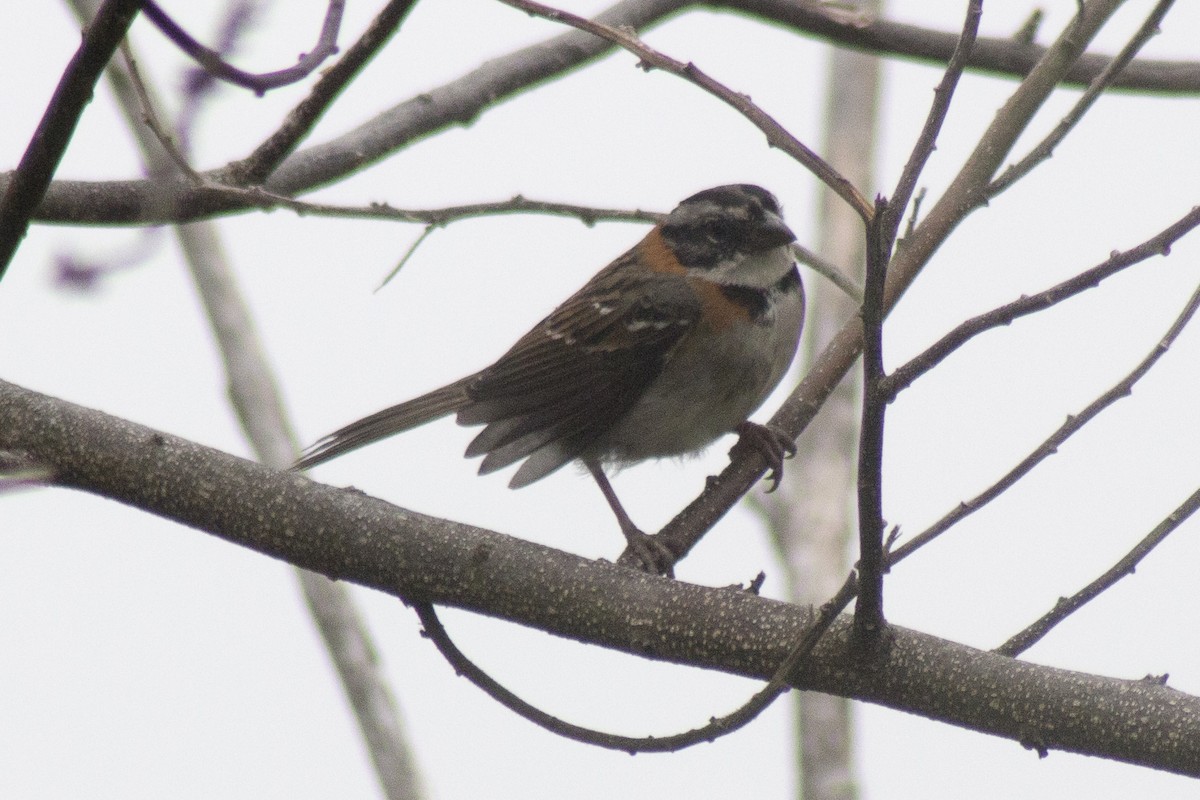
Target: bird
x=672 y=345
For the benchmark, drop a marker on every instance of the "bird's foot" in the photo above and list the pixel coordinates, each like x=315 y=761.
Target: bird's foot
x=772 y=445
x=647 y=553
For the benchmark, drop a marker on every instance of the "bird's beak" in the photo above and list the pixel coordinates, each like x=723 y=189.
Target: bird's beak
x=773 y=232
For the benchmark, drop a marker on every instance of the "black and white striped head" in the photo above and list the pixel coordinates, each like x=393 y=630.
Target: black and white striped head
x=732 y=234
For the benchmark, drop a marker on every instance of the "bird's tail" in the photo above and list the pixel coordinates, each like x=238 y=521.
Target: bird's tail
x=387 y=422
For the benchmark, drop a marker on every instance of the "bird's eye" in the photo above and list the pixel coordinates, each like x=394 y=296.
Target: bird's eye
x=718 y=230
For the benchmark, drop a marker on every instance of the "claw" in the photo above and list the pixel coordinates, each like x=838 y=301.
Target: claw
x=648 y=553
x=772 y=445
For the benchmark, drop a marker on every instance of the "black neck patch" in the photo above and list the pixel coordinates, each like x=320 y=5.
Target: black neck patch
x=757 y=301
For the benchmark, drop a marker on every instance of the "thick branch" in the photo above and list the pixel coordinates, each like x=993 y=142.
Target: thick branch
x=349 y=536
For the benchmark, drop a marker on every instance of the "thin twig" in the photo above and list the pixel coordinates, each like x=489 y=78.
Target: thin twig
x=828 y=270
x=1157 y=245
x=777 y=135
x=438 y=217
x=408 y=254
x=780 y=682
x=1122 y=388
x=943 y=93
x=49 y=142
x=1066 y=606
x=1102 y=81
x=259 y=165
x=215 y=65
x=150 y=118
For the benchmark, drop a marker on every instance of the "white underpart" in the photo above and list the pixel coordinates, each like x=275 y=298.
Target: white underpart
x=711 y=389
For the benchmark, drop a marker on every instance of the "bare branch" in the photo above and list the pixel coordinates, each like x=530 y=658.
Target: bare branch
x=1122 y=388
x=260 y=410
x=215 y=65
x=810 y=520
x=943 y=93
x=1157 y=245
x=259 y=165
x=1066 y=606
x=1010 y=57
x=671 y=743
x=408 y=254
x=350 y=536
x=1104 y=80
x=828 y=270
x=437 y=217
x=464 y=99
x=29 y=182
x=881 y=237
x=365 y=682
x=786 y=673
x=777 y=135
x=455 y=103
x=149 y=115
x=869 y=619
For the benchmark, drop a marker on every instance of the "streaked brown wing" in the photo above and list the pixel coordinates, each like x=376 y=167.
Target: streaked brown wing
x=565 y=382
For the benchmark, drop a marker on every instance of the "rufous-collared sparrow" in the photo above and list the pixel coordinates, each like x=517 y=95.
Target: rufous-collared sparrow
x=669 y=347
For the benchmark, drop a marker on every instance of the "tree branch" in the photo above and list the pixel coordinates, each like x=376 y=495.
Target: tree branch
x=215 y=65
x=1066 y=606
x=260 y=410
x=1009 y=57
x=1158 y=245
x=962 y=197
x=349 y=536
x=943 y=93
x=1075 y=422
x=1045 y=148
x=881 y=237
x=259 y=165
x=777 y=135
x=716 y=727
x=869 y=620
x=461 y=101
x=26 y=185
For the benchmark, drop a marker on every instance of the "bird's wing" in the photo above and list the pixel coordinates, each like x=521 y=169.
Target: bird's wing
x=570 y=378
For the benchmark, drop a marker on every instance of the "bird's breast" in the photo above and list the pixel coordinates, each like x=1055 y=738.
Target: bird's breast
x=715 y=377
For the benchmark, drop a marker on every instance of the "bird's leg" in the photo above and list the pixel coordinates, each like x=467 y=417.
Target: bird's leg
x=654 y=556
x=772 y=445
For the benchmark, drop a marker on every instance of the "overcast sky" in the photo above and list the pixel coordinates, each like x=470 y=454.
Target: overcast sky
x=139 y=658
